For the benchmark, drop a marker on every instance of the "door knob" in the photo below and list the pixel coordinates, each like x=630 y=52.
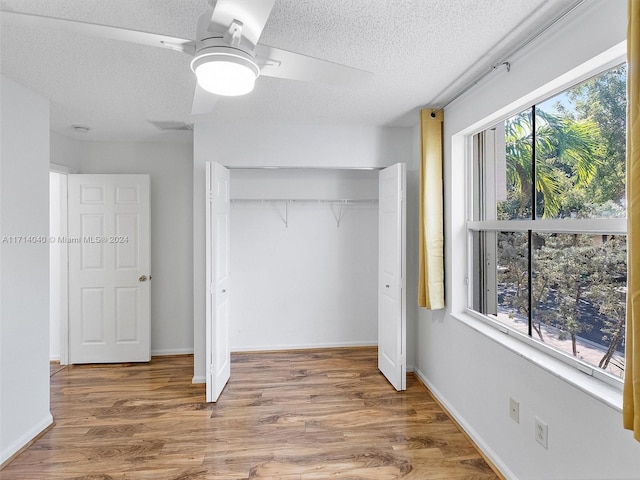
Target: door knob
x=143 y=278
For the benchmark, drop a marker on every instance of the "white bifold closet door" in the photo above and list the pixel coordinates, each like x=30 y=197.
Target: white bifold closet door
x=218 y=349
x=392 y=321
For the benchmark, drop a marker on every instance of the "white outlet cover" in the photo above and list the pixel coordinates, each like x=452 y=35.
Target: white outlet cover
x=541 y=432
x=514 y=410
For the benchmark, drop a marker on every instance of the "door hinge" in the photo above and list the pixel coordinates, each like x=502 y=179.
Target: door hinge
x=211 y=369
x=211 y=289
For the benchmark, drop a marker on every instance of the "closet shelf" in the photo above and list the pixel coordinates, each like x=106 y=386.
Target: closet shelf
x=338 y=206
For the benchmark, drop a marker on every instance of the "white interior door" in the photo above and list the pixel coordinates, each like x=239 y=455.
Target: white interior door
x=109 y=268
x=218 y=352
x=391 y=277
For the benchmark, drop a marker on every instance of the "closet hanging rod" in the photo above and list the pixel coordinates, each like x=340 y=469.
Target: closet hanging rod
x=292 y=167
x=303 y=200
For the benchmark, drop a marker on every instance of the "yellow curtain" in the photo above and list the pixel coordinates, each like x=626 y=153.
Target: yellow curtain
x=631 y=400
x=431 y=258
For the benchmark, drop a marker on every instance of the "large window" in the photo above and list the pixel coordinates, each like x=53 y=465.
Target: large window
x=548 y=228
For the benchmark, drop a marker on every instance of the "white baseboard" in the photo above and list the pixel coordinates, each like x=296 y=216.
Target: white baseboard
x=199 y=379
x=16 y=446
x=172 y=351
x=154 y=353
x=477 y=439
x=302 y=346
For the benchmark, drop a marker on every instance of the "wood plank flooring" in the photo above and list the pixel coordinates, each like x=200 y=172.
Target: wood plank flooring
x=301 y=415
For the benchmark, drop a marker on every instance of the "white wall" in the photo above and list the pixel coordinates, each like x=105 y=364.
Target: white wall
x=474 y=372
x=413 y=232
x=279 y=145
x=169 y=168
x=24 y=267
x=66 y=152
x=307 y=282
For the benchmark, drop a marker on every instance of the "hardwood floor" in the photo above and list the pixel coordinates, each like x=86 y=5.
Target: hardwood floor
x=311 y=414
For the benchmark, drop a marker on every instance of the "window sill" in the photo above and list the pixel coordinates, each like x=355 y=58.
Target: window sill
x=610 y=395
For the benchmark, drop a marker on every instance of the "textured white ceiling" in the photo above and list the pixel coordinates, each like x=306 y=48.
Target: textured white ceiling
x=420 y=51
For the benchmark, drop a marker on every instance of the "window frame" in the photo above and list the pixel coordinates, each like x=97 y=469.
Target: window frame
x=597 y=226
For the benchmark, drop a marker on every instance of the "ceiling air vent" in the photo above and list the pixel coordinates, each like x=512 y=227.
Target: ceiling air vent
x=175 y=126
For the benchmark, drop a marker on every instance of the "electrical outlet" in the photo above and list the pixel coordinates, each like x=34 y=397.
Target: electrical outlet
x=541 y=432
x=514 y=410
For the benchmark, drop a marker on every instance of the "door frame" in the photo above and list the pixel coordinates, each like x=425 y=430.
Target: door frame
x=63 y=281
x=207 y=247
x=63 y=291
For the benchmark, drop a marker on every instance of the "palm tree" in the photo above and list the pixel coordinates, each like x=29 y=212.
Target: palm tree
x=566 y=153
x=519 y=156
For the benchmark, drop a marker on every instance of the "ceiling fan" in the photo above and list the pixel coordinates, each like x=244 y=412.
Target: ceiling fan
x=227 y=58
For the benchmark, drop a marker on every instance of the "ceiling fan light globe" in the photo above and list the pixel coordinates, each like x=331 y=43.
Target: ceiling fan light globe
x=223 y=71
x=225 y=78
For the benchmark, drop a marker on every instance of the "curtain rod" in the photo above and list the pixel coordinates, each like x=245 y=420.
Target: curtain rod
x=505 y=62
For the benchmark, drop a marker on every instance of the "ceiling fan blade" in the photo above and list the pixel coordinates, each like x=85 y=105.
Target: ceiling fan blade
x=97 y=30
x=203 y=101
x=275 y=62
x=252 y=13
